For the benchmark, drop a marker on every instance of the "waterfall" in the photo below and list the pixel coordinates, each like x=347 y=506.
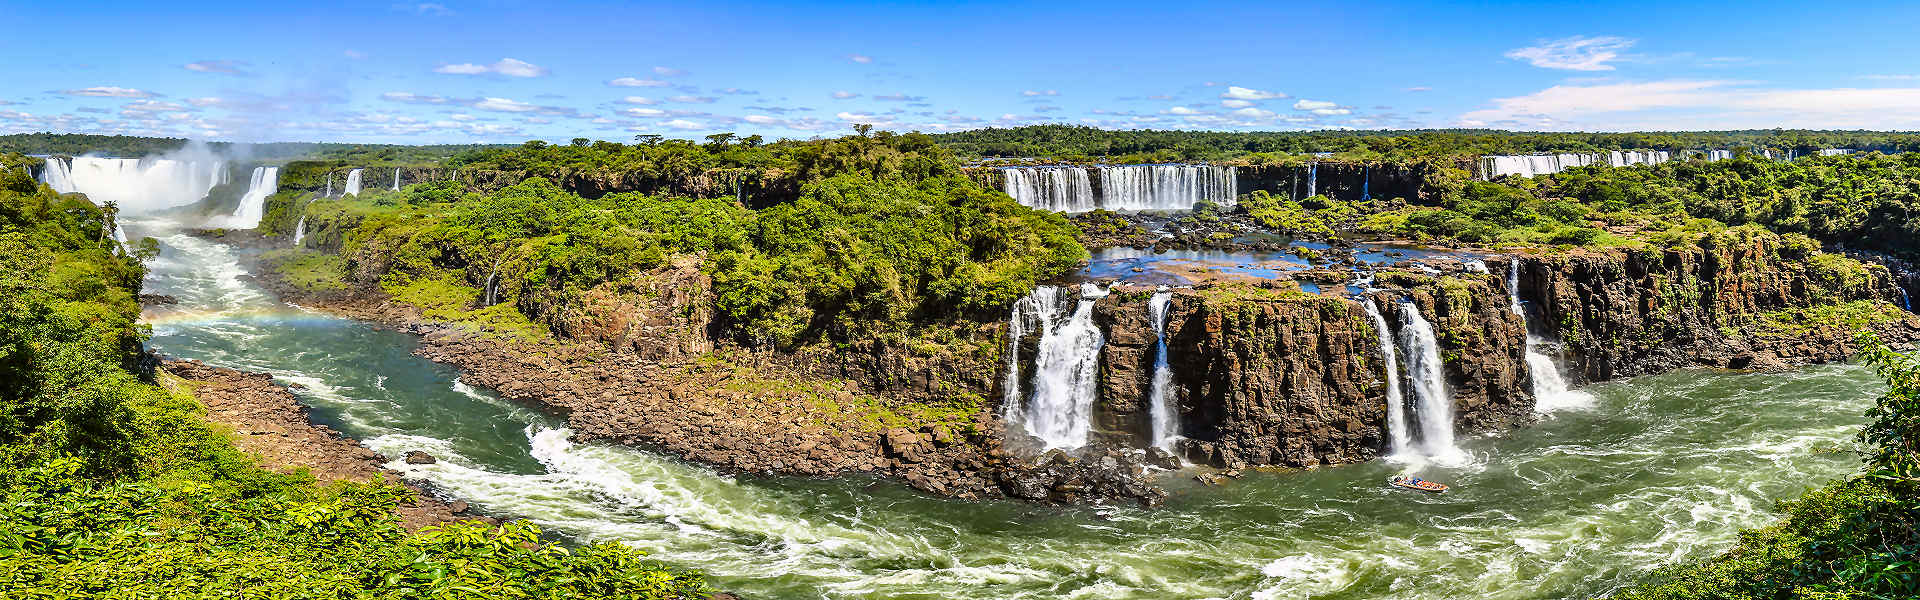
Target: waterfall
x=1550 y=390
x=353 y=184
x=264 y=182
x=396 y=179
x=1059 y=412
x=1366 y=174
x=329 y=184
x=137 y=186
x=1529 y=165
x=1031 y=312
x=1426 y=374
x=492 y=292
x=1400 y=436
x=1059 y=189
x=56 y=175
x=1166 y=187
x=299 y=230
x=1166 y=416
x=1313 y=179
x=1129 y=187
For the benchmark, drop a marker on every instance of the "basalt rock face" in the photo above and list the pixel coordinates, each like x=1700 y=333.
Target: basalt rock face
x=1625 y=313
x=1344 y=181
x=1273 y=377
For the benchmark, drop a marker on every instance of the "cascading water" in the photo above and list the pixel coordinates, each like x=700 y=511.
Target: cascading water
x=264 y=182
x=299 y=231
x=396 y=179
x=1550 y=390
x=1166 y=187
x=1366 y=176
x=137 y=186
x=1129 y=187
x=329 y=184
x=1529 y=165
x=1060 y=410
x=1165 y=415
x=1034 y=311
x=57 y=176
x=353 y=184
x=1059 y=189
x=1433 y=406
x=1399 y=431
x=1313 y=179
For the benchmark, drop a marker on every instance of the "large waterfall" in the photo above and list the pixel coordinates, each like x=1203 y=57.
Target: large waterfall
x=1550 y=389
x=299 y=231
x=1062 y=189
x=137 y=186
x=1166 y=416
x=396 y=179
x=1399 y=433
x=1059 y=410
x=1426 y=374
x=1313 y=179
x=1129 y=187
x=264 y=182
x=353 y=184
x=1529 y=165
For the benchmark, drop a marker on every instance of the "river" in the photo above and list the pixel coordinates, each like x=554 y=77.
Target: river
x=1652 y=470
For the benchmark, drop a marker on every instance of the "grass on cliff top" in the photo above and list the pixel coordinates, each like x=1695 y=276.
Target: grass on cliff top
x=1237 y=291
x=443 y=298
x=835 y=407
x=1844 y=317
x=309 y=271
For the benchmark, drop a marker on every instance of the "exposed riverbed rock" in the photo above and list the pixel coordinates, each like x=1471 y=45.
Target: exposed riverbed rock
x=269 y=422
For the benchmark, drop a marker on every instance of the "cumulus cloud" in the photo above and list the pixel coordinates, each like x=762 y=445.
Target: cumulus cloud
x=1577 y=53
x=1235 y=103
x=510 y=67
x=1235 y=92
x=691 y=99
x=1253 y=113
x=637 y=82
x=412 y=98
x=644 y=113
x=1182 y=110
x=107 y=91
x=1305 y=104
x=504 y=105
x=760 y=119
x=683 y=124
x=229 y=67
x=638 y=100
x=860 y=58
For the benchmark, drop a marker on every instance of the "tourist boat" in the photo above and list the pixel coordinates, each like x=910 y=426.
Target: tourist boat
x=1416 y=483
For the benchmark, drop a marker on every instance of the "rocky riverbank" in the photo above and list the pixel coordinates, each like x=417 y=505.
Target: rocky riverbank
x=268 y=421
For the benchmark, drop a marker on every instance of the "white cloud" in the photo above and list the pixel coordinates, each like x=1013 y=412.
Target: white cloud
x=860 y=58
x=683 y=124
x=510 y=67
x=668 y=71
x=1328 y=112
x=208 y=101
x=461 y=117
x=898 y=98
x=1239 y=93
x=636 y=82
x=760 y=119
x=107 y=91
x=638 y=100
x=229 y=67
x=1040 y=93
x=1702 y=104
x=843 y=95
x=1305 y=104
x=504 y=105
x=645 y=113
x=1577 y=53
x=1182 y=110
x=1235 y=103
x=1253 y=113
x=691 y=99
x=413 y=98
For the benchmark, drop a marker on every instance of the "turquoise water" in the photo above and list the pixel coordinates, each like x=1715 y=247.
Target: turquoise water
x=1652 y=470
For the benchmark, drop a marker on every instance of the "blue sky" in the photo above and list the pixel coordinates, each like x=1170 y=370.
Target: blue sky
x=499 y=71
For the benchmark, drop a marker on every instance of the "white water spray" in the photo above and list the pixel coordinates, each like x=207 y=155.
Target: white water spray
x=1129 y=187
x=264 y=182
x=1060 y=410
x=1550 y=390
x=353 y=184
x=137 y=186
x=396 y=179
x=1165 y=415
x=1399 y=432
x=57 y=176
x=1433 y=406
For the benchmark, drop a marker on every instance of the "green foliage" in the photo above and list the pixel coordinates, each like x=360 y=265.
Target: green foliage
x=113 y=487
x=1858 y=538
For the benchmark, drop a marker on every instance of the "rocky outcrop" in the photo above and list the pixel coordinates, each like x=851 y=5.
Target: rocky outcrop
x=1416 y=181
x=1267 y=375
x=1635 y=312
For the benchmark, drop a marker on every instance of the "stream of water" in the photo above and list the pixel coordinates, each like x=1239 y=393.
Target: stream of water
x=1653 y=470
